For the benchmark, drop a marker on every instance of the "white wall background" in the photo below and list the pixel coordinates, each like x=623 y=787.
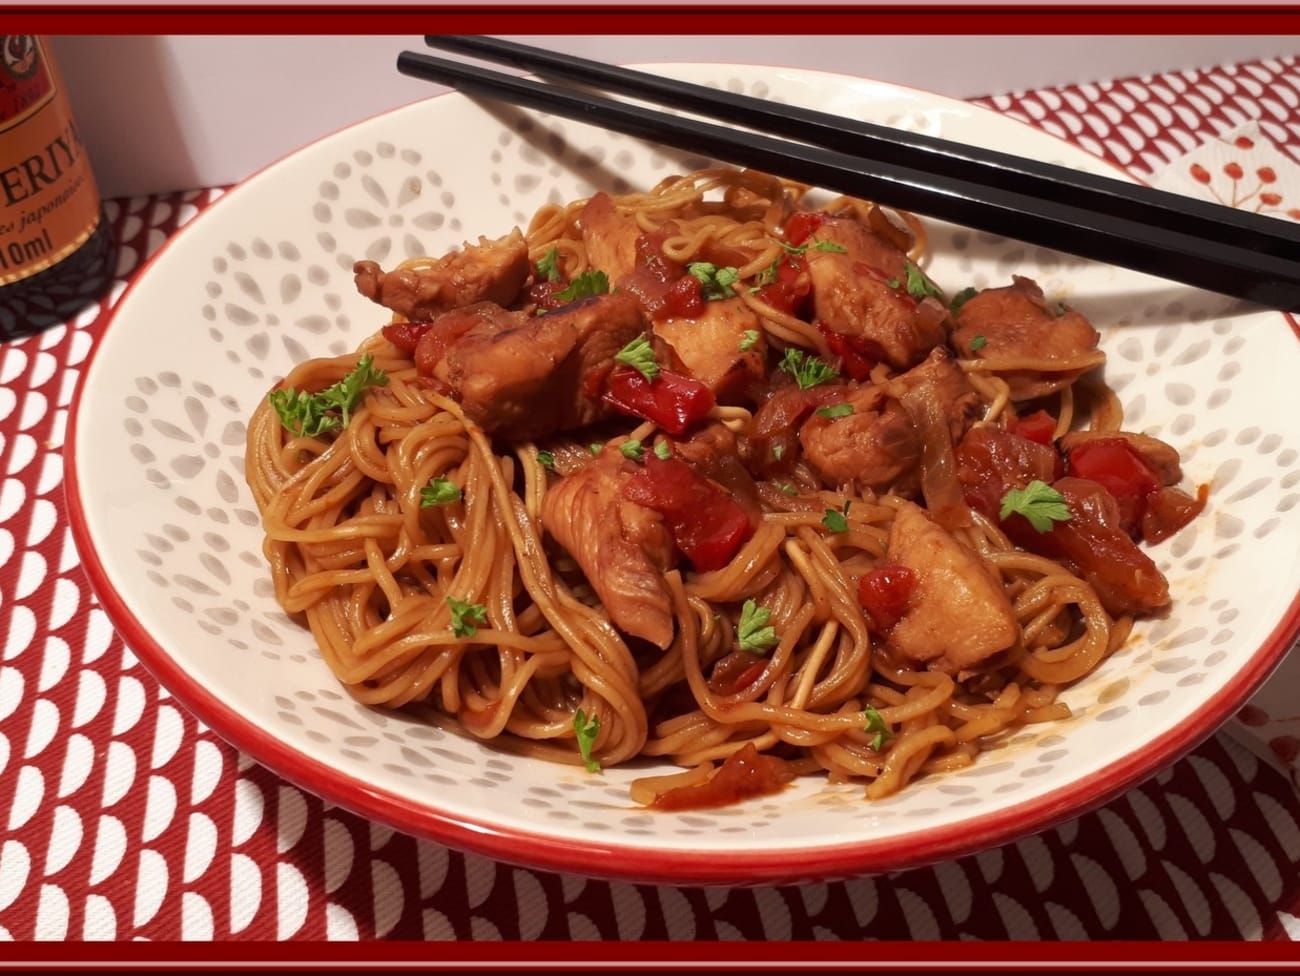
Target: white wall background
x=162 y=113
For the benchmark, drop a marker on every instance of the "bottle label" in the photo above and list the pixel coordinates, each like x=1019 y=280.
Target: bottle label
x=49 y=204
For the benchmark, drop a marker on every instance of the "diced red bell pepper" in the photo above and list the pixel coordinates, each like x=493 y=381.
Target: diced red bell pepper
x=658 y=281
x=736 y=672
x=650 y=254
x=858 y=355
x=671 y=400
x=427 y=342
x=788 y=407
x=708 y=526
x=545 y=294
x=1096 y=545
x=685 y=298
x=1039 y=426
x=791 y=287
x=884 y=593
x=802 y=224
x=777 y=422
x=405 y=335
x=438 y=336
x=1117 y=467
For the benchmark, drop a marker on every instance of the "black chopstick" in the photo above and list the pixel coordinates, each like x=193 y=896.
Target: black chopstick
x=916 y=151
x=1229 y=267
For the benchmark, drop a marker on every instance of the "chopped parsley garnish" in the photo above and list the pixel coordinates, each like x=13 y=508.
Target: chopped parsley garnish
x=586 y=730
x=302 y=413
x=788 y=489
x=640 y=355
x=546 y=459
x=808 y=371
x=961 y=298
x=1038 y=502
x=754 y=633
x=715 y=282
x=313 y=414
x=918 y=285
x=830 y=246
x=439 y=491
x=978 y=343
x=663 y=450
x=749 y=340
x=772 y=272
x=778 y=451
x=837 y=521
x=465 y=615
x=632 y=449
x=595 y=447
x=586 y=285
x=877 y=725
x=893 y=282
x=549 y=265
x=838 y=410
x=815 y=245
x=768 y=275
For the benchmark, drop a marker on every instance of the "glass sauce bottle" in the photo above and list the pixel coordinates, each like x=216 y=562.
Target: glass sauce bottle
x=56 y=247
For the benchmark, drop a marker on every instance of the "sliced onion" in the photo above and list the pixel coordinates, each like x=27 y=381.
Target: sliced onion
x=929 y=312
x=939 y=484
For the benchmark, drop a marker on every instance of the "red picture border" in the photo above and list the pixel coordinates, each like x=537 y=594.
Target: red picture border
x=877 y=957
x=631 y=18
x=749 y=957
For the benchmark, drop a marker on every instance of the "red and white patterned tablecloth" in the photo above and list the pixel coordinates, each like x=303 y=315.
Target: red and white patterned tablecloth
x=123 y=818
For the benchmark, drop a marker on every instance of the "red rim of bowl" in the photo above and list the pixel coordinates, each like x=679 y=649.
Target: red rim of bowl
x=679 y=866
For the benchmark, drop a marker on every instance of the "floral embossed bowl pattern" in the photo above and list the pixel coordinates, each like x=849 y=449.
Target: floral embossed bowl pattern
x=171 y=540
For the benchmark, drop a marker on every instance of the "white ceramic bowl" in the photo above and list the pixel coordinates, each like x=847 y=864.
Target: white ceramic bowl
x=170 y=538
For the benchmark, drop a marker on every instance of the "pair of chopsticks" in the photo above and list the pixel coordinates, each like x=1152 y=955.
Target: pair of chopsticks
x=1167 y=235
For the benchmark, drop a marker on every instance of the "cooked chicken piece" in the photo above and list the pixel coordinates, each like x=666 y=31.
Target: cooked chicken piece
x=958 y=614
x=623 y=548
x=490 y=271
x=941 y=380
x=1159 y=456
x=609 y=237
x=1094 y=540
x=1017 y=322
x=875 y=446
x=521 y=377
x=862 y=292
x=861 y=244
x=879 y=445
x=708 y=347
x=991 y=461
x=1101 y=551
x=446 y=330
x=771 y=445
